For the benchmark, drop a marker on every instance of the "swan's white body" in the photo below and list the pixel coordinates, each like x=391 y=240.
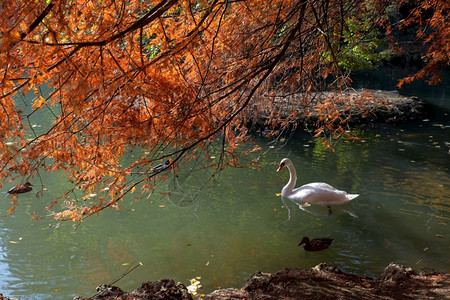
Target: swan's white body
x=314 y=193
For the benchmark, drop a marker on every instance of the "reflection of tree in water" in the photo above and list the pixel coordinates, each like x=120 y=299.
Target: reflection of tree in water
x=185 y=186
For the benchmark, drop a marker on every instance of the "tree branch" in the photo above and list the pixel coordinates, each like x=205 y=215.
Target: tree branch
x=38 y=20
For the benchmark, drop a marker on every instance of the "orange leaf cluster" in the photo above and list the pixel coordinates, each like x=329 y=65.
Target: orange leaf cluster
x=432 y=25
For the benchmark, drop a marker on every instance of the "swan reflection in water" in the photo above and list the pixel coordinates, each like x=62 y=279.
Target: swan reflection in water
x=316 y=210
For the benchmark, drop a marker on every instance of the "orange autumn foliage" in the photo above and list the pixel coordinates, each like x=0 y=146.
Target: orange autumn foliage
x=163 y=76
x=431 y=23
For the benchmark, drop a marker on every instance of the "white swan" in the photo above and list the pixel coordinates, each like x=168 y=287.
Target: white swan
x=314 y=193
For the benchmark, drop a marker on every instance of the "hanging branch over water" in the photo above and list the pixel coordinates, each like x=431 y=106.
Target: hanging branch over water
x=167 y=78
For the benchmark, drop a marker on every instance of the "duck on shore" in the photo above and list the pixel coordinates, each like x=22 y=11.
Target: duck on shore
x=26 y=187
x=315 y=244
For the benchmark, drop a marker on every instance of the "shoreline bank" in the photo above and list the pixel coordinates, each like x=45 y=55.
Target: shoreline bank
x=321 y=282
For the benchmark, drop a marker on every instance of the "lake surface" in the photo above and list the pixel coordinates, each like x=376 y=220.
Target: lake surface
x=236 y=225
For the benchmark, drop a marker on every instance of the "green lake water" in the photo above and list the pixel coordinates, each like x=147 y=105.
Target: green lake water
x=236 y=225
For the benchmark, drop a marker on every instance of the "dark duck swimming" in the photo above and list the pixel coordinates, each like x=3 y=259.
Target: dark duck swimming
x=26 y=187
x=315 y=244
x=161 y=167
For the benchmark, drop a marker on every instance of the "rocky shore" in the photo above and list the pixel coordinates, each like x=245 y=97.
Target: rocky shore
x=321 y=282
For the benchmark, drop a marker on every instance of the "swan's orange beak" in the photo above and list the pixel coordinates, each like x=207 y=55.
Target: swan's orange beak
x=280 y=168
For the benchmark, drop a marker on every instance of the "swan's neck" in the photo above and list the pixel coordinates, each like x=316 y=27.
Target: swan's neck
x=287 y=190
